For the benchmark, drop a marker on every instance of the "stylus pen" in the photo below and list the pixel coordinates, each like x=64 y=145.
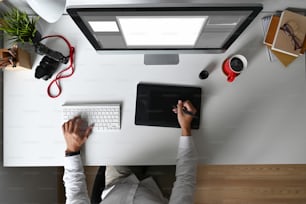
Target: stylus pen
x=187 y=112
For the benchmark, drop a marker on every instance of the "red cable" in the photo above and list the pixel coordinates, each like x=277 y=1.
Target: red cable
x=60 y=75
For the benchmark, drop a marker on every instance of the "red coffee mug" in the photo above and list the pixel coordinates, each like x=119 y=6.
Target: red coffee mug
x=233 y=66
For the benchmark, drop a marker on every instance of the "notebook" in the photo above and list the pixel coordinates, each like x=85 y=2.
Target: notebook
x=285 y=59
x=272 y=28
x=154 y=104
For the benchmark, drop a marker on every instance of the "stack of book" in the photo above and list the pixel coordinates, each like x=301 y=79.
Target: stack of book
x=285 y=36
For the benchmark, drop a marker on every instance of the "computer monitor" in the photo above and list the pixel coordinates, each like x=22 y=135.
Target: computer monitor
x=161 y=33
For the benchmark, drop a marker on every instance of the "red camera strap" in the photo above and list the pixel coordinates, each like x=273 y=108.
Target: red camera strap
x=61 y=74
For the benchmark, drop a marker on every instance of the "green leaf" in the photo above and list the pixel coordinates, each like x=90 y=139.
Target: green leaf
x=18 y=25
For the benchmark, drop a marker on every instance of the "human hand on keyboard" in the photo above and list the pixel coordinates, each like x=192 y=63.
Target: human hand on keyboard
x=74 y=135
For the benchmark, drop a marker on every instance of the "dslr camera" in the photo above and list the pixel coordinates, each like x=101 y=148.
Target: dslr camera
x=49 y=63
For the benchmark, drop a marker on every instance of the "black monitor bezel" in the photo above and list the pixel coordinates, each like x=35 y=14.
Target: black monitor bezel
x=73 y=12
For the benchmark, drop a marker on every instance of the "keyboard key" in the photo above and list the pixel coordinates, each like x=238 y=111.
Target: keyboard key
x=103 y=116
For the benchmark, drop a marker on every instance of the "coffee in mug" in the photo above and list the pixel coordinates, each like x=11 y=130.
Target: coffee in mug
x=233 y=66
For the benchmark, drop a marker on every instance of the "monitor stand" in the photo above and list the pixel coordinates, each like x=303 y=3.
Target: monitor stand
x=161 y=59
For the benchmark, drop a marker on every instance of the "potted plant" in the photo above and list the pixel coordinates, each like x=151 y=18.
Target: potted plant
x=20 y=27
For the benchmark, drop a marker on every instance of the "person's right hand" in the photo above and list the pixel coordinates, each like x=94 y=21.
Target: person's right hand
x=75 y=137
x=183 y=118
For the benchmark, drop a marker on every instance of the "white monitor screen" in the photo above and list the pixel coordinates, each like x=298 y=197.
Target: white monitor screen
x=161 y=31
x=104 y=26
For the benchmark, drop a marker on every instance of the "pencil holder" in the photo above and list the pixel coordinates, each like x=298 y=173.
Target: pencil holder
x=23 y=61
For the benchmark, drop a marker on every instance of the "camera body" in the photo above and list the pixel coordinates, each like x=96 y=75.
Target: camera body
x=46 y=68
x=49 y=63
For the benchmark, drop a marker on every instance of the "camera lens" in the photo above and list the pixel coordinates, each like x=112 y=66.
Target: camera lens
x=40 y=72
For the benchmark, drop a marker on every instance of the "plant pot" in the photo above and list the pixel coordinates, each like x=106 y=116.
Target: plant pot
x=23 y=61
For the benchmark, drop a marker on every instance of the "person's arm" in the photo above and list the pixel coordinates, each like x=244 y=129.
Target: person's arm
x=186 y=166
x=74 y=178
x=74 y=181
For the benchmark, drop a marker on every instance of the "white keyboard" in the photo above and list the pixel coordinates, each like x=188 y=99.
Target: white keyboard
x=103 y=116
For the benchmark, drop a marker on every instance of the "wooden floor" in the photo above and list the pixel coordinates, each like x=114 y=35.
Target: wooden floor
x=242 y=184
x=248 y=184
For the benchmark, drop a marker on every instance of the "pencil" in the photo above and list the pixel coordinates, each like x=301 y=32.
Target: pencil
x=187 y=112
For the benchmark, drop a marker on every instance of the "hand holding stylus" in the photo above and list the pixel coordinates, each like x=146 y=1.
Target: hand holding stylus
x=185 y=113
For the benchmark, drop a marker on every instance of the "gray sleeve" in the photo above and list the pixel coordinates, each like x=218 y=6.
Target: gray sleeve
x=74 y=181
x=186 y=169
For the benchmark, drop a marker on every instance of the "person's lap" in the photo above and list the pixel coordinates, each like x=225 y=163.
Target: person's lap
x=114 y=173
x=164 y=176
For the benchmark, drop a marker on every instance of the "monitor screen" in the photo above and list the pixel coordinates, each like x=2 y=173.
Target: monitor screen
x=160 y=31
x=185 y=29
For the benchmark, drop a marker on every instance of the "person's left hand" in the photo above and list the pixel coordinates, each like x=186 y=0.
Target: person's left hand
x=75 y=137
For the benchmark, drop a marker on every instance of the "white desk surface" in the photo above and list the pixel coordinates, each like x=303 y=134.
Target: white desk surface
x=258 y=119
